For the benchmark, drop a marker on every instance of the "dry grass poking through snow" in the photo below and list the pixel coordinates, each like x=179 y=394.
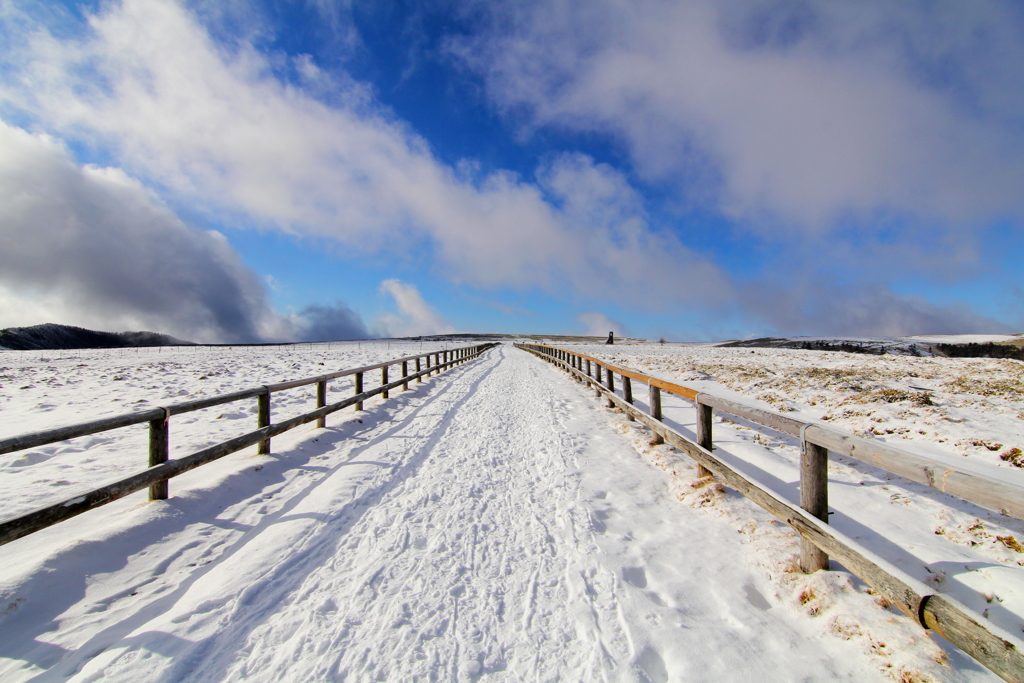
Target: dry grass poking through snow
x=973 y=407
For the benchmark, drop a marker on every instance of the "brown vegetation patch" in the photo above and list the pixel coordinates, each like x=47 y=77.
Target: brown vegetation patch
x=1014 y=456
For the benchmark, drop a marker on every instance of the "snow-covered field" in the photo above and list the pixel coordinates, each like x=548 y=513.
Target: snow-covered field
x=493 y=523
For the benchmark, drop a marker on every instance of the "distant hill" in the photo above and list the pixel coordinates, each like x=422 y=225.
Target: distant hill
x=52 y=336
x=954 y=346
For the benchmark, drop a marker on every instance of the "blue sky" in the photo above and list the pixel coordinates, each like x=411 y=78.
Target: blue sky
x=704 y=170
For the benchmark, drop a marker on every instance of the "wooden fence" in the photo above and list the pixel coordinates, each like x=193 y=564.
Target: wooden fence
x=161 y=469
x=990 y=645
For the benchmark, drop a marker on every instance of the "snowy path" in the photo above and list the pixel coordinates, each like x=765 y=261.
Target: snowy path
x=492 y=525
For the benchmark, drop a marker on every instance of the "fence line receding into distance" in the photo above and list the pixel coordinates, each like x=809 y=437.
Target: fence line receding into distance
x=161 y=468
x=998 y=650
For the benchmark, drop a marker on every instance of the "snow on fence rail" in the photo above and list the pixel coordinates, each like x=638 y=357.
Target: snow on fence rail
x=161 y=468
x=990 y=645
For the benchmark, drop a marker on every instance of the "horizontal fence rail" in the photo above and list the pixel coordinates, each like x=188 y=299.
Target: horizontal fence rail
x=990 y=645
x=161 y=468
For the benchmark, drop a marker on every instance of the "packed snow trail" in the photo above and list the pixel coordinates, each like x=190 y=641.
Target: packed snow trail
x=490 y=524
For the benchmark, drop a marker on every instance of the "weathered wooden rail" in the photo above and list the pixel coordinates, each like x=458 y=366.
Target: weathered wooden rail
x=161 y=469
x=990 y=645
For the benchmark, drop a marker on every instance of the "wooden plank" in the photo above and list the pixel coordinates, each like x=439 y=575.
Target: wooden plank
x=704 y=435
x=814 y=499
x=985 y=491
x=263 y=420
x=627 y=393
x=768 y=418
x=654 y=401
x=673 y=388
x=997 y=649
x=321 y=401
x=159 y=449
x=41 y=438
x=293 y=384
x=203 y=403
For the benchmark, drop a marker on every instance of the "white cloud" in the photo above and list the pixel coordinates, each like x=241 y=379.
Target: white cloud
x=799 y=112
x=599 y=325
x=90 y=246
x=220 y=131
x=415 y=316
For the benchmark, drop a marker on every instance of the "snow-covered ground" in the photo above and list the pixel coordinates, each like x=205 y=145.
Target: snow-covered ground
x=493 y=523
x=968 y=412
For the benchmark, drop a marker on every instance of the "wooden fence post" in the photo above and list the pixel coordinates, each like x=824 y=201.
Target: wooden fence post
x=405 y=373
x=600 y=381
x=655 y=400
x=588 y=368
x=419 y=377
x=704 y=439
x=627 y=393
x=384 y=380
x=814 y=499
x=263 y=420
x=321 y=401
x=359 y=390
x=159 y=448
x=611 y=387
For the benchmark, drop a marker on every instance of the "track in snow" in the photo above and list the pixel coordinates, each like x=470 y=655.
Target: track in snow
x=491 y=525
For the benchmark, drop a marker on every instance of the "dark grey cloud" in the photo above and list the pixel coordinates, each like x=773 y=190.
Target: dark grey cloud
x=828 y=309
x=331 y=323
x=93 y=247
